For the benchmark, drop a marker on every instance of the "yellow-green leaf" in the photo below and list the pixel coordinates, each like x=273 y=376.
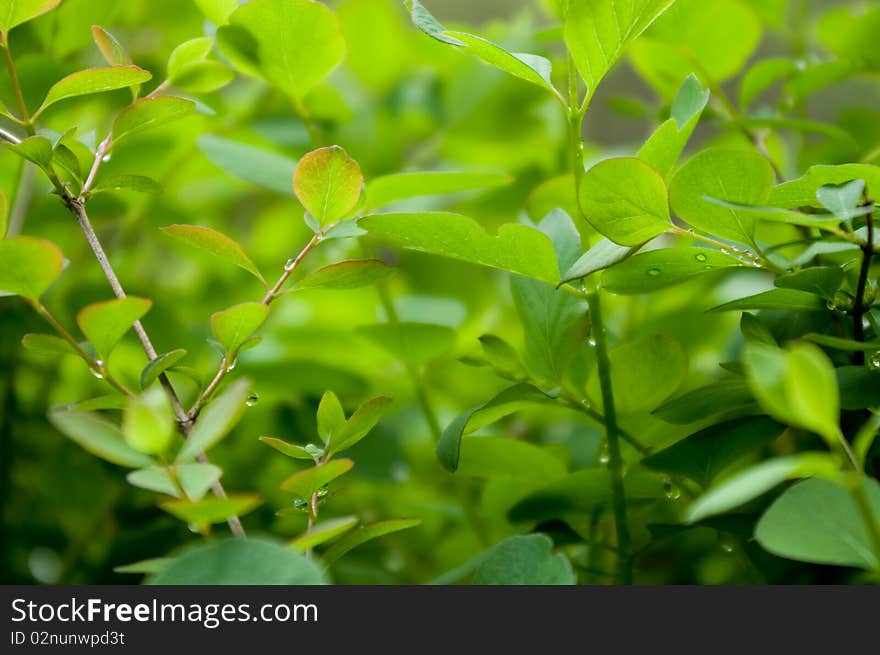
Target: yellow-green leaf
x=105 y=323
x=93 y=80
x=233 y=326
x=305 y=483
x=28 y=266
x=328 y=183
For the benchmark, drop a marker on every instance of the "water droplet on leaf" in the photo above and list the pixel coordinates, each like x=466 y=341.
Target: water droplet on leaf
x=700 y=257
x=654 y=272
x=874 y=360
x=671 y=491
x=604 y=454
x=106 y=158
x=98 y=371
x=252 y=400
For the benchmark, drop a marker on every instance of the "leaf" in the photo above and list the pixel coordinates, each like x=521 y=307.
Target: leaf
x=503 y=357
x=305 y=483
x=15 y=12
x=233 y=326
x=112 y=51
x=68 y=161
x=493 y=457
x=265 y=168
x=144 y=567
x=414 y=343
x=756 y=481
x=149 y=113
x=99 y=437
x=47 y=344
x=818 y=521
x=788 y=299
x=359 y=424
x=148 y=423
x=597 y=33
x=364 y=534
x=738 y=176
x=289 y=449
x=523 y=560
x=625 y=200
x=352 y=274
x=204 y=77
x=660 y=269
x=704 y=455
x=848 y=345
x=823 y=281
x=665 y=145
x=93 y=80
x=195 y=479
x=292 y=44
x=138 y=183
x=158 y=366
x=239 y=562
x=705 y=402
x=324 y=532
x=842 y=199
x=328 y=183
x=217 y=420
x=803 y=191
x=761 y=77
x=212 y=509
x=509 y=401
x=186 y=54
x=644 y=373
x=604 y=254
x=36 y=149
x=4 y=212
x=426 y=22
x=217 y=11
x=516 y=248
x=402 y=186
x=28 y=266
x=105 y=323
x=216 y=243
x=331 y=416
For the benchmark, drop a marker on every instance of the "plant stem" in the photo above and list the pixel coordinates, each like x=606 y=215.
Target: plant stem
x=859 y=307
x=16 y=87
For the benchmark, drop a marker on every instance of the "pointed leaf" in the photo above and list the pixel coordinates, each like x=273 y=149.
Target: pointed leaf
x=331 y=416
x=210 y=510
x=604 y=254
x=364 y=534
x=305 y=483
x=217 y=420
x=659 y=269
x=158 y=366
x=99 y=437
x=28 y=266
x=112 y=51
x=359 y=424
x=16 y=12
x=351 y=274
x=265 y=168
x=94 y=80
x=105 y=323
x=46 y=344
x=324 y=532
x=137 y=183
x=149 y=113
x=36 y=149
x=216 y=243
x=291 y=450
x=232 y=327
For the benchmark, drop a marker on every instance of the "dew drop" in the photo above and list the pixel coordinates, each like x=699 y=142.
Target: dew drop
x=290 y=264
x=231 y=366
x=592 y=342
x=671 y=491
x=874 y=360
x=98 y=371
x=106 y=158
x=604 y=455
x=194 y=528
x=252 y=400
x=654 y=272
x=700 y=257
x=728 y=544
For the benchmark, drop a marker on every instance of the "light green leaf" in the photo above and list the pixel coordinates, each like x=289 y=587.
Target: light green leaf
x=194 y=479
x=188 y=53
x=4 y=212
x=626 y=200
x=144 y=567
x=328 y=183
x=358 y=424
x=704 y=455
x=158 y=366
x=28 y=266
x=364 y=534
x=93 y=80
x=802 y=191
x=138 y=183
x=598 y=32
x=239 y=562
x=36 y=149
x=351 y=274
x=494 y=457
x=217 y=11
x=402 y=186
x=250 y=163
x=217 y=420
x=659 y=269
x=818 y=521
x=644 y=373
x=331 y=416
x=324 y=532
x=46 y=344
x=516 y=248
x=790 y=299
x=213 y=509
x=204 y=77
x=425 y=21
x=837 y=343
x=738 y=176
x=305 y=483
x=414 y=343
x=503 y=357
x=16 y=12
x=216 y=243
x=292 y=44
x=149 y=113
x=105 y=323
x=523 y=560
x=843 y=199
x=233 y=326
x=291 y=450
x=148 y=422
x=604 y=254
x=99 y=437
x=112 y=51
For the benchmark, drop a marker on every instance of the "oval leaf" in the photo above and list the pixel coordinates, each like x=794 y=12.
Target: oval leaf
x=328 y=183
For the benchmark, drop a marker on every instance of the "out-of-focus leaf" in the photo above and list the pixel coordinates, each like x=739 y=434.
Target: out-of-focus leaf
x=351 y=274
x=99 y=437
x=15 y=12
x=789 y=299
x=402 y=186
x=216 y=243
x=46 y=344
x=289 y=449
x=523 y=560
x=250 y=163
x=149 y=113
x=212 y=509
x=707 y=401
x=138 y=183
x=324 y=532
x=364 y=534
x=604 y=254
x=492 y=457
x=28 y=266
x=148 y=422
x=158 y=366
x=112 y=51
x=217 y=420
x=415 y=343
x=359 y=424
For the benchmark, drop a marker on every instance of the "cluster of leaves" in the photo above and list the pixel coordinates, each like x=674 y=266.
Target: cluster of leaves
x=649 y=422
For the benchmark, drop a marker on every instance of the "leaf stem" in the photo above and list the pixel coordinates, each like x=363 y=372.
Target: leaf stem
x=16 y=87
x=859 y=307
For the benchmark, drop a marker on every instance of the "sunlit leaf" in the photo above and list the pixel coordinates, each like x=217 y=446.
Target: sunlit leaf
x=232 y=327
x=324 y=532
x=210 y=510
x=93 y=80
x=364 y=534
x=659 y=269
x=16 y=12
x=305 y=483
x=105 y=323
x=351 y=274
x=402 y=186
x=28 y=266
x=148 y=422
x=328 y=183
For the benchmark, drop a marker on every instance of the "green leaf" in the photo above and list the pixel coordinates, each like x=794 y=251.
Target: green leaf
x=28 y=266
x=738 y=176
x=494 y=457
x=426 y=22
x=818 y=521
x=138 y=183
x=597 y=33
x=364 y=534
x=149 y=113
x=788 y=299
x=216 y=243
x=239 y=562
x=823 y=281
x=195 y=479
x=305 y=483
x=188 y=53
x=250 y=163
x=112 y=51
x=331 y=416
x=204 y=77
x=233 y=326
x=402 y=186
x=148 y=422
x=217 y=11
x=848 y=345
x=47 y=344
x=665 y=145
x=105 y=323
x=523 y=560
x=755 y=481
x=158 y=366
x=4 y=212
x=644 y=373
x=217 y=420
x=328 y=183
x=704 y=455
x=359 y=424
x=762 y=76
x=36 y=149
x=16 y=12
x=99 y=437
x=68 y=161
x=324 y=532
x=842 y=199
x=626 y=200
x=659 y=269
x=509 y=401
x=93 y=80
x=803 y=191
x=414 y=343
x=292 y=44
x=604 y=254
x=705 y=402
x=212 y=509
x=352 y=274
x=144 y=567
x=503 y=357
x=289 y=449
x=516 y=248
